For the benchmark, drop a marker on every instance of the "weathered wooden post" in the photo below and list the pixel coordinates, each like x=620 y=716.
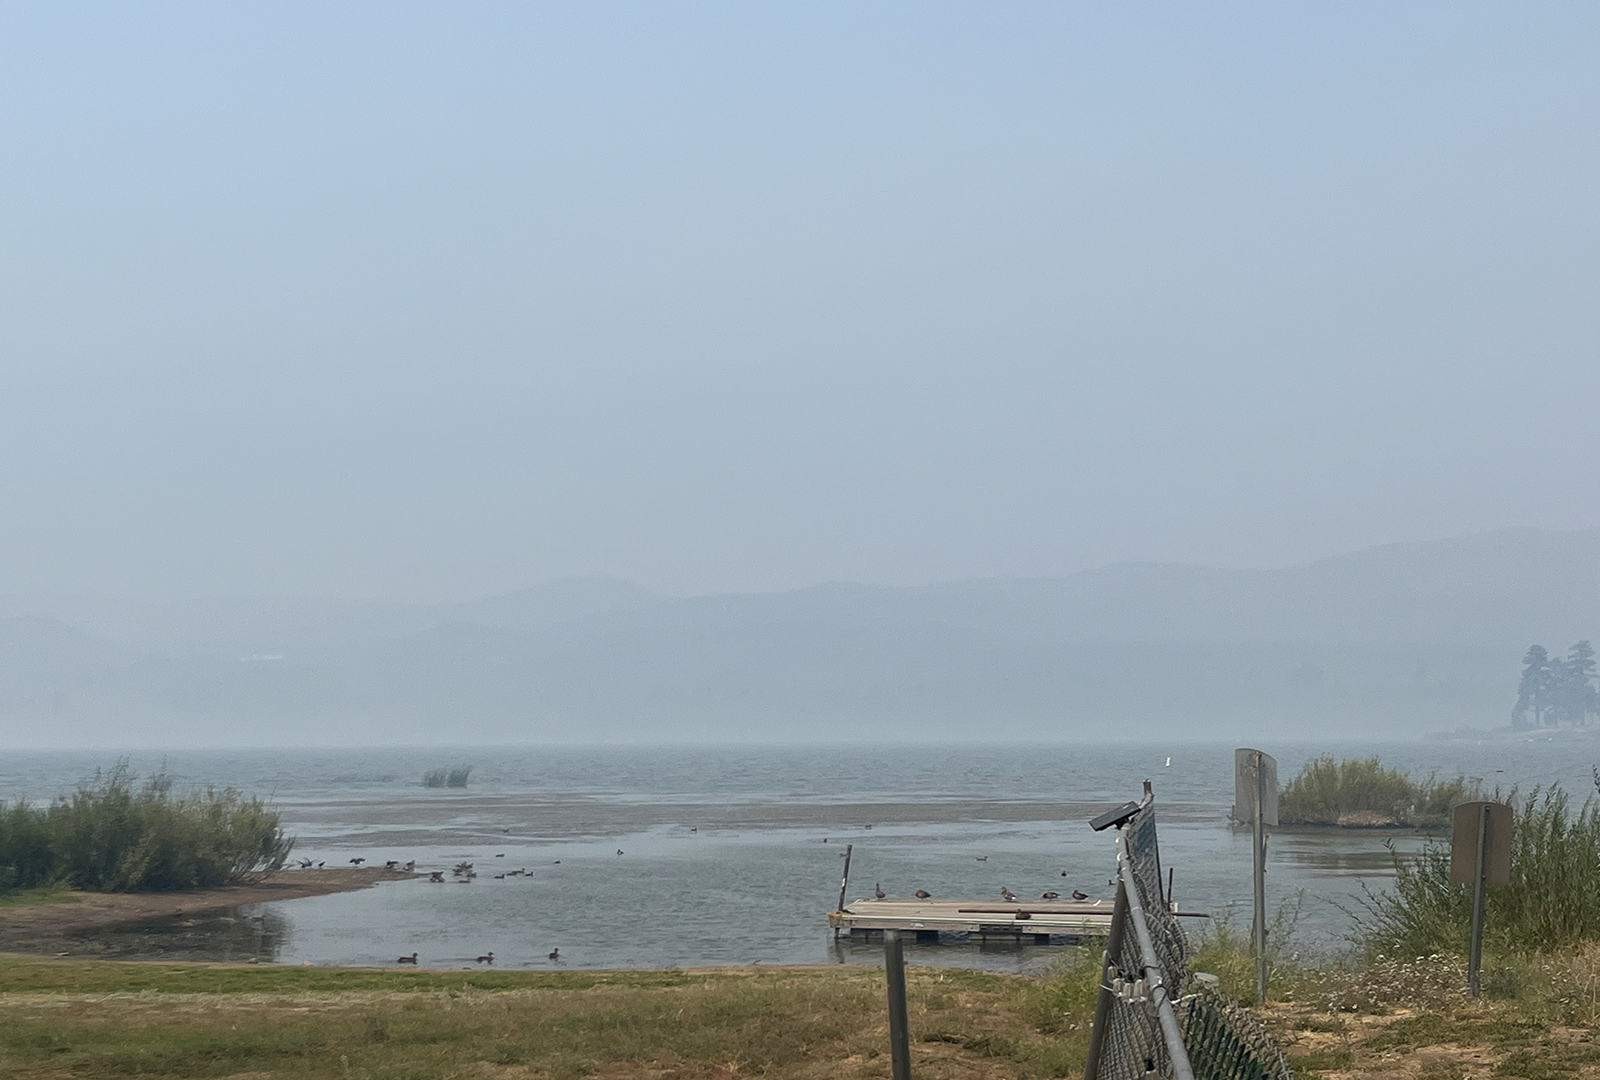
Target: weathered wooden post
x=1480 y=854
x=1255 y=799
x=844 y=881
x=894 y=963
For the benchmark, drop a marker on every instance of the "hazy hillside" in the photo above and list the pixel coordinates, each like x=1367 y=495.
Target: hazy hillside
x=1404 y=637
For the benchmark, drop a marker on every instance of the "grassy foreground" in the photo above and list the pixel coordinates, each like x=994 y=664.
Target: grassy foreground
x=61 y=1018
x=1539 y=1020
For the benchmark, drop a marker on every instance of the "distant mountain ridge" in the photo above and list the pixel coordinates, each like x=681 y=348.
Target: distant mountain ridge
x=1405 y=637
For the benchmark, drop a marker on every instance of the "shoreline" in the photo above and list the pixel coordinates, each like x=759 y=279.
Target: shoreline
x=31 y=927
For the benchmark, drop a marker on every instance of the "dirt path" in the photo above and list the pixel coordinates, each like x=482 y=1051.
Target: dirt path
x=30 y=924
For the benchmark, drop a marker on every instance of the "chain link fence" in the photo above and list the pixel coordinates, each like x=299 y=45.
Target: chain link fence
x=1142 y=1028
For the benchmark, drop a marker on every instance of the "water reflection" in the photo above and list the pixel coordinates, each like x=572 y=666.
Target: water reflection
x=239 y=935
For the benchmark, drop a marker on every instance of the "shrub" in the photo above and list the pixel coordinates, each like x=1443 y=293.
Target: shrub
x=112 y=836
x=1552 y=902
x=456 y=777
x=1362 y=792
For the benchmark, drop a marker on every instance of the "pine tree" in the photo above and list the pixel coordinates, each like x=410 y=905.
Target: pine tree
x=1533 y=690
x=1580 y=700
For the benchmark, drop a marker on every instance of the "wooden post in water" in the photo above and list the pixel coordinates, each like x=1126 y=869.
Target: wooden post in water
x=844 y=881
x=1255 y=802
x=894 y=963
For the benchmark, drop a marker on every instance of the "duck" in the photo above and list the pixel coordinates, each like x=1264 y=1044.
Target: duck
x=981 y=858
x=412 y=959
x=411 y=864
x=1007 y=895
x=555 y=954
x=486 y=958
x=357 y=861
x=877 y=890
x=924 y=894
x=305 y=864
x=437 y=877
x=1079 y=894
x=501 y=855
x=619 y=851
x=391 y=864
x=1050 y=896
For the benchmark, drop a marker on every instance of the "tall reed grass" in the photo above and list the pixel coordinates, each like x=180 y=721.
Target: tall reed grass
x=1551 y=904
x=1363 y=792
x=114 y=835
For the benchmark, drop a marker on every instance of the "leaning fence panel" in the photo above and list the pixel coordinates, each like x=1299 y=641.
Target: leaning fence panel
x=1142 y=1028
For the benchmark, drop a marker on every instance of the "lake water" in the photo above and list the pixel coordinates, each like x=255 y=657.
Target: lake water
x=732 y=855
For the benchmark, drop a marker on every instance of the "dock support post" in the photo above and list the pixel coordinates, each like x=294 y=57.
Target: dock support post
x=894 y=963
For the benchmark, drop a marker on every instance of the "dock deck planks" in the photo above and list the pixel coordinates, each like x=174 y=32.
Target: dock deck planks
x=1030 y=918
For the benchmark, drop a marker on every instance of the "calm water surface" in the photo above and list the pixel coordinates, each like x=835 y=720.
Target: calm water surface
x=733 y=855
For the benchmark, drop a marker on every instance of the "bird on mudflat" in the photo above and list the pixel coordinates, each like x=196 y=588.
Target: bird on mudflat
x=923 y=894
x=412 y=959
x=1050 y=896
x=1007 y=895
x=1079 y=894
x=877 y=890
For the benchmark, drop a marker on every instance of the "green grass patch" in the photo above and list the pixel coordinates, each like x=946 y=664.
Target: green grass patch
x=48 y=894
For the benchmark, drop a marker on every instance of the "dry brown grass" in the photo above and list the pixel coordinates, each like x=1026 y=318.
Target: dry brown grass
x=1538 y=1019
x=798 y=1023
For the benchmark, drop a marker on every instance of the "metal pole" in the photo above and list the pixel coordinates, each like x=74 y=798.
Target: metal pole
x=894 y=962
x=1260 y=861
x=1102 y=1005
x=1475 y=953
x=1154 y=980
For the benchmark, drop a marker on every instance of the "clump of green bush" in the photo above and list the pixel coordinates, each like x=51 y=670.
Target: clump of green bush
x=1552 y=902
x=114 y=835
x=1363 y=793
x=446 y=777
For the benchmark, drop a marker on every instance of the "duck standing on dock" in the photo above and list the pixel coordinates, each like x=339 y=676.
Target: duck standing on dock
x=877 y=890
x=924 y=894
x=1050 y=896
x=1007 y=895
x=1079 y=894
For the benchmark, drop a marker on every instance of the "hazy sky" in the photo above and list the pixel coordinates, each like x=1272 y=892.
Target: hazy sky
x=432 y=301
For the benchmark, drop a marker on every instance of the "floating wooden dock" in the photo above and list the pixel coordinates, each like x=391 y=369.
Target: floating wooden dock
x=1037 y=920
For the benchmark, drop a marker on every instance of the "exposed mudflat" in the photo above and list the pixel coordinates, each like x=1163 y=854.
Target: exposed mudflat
x=32 y=927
